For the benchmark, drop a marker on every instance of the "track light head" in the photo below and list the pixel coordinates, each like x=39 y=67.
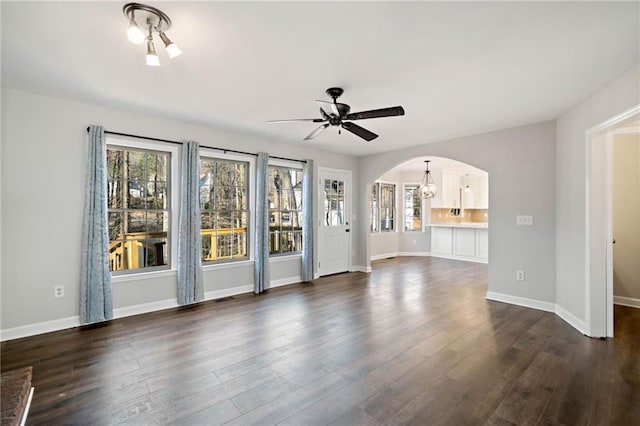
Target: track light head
x=172 y=49
x=134 y=33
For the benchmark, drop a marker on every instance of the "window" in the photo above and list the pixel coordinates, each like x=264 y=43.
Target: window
x=373 y=207
x=382 y=207
x=387 y=207
x=138 y=208
x=224 y=209
x=285 y=210
x=412 y=208
x=334 y=214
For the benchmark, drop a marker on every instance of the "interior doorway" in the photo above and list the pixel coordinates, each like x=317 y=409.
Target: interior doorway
x=599 y=241
x=453 y=224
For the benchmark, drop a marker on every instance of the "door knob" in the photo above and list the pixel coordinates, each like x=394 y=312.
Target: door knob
x=346 y=230
x=614 y=241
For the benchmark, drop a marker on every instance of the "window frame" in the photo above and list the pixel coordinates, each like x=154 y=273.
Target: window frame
x=404 y=216
x=374 y=212
x=290 y=165
x=394 y=209
x=250 y=159
x=173 y=190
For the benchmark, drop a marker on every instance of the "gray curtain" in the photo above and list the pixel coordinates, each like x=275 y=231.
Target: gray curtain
x=190 y=288
x=261 y=265
x=95 y=282
x=307 y=222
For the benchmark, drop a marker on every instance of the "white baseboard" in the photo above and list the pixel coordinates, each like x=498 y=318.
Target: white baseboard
x=626 y=301
x=400 y=253
x=522 y=301
x=359 y=268
x=284 y=281
x=126 y=311
x=143 y=308
x=414 y=253
x=567 y=316
x=463 y=258
x=39 y=328
x=226 y=292
x=571 y=319
x=383 y=256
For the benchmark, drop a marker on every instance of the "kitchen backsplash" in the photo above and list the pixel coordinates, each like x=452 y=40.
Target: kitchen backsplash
x=467 y=215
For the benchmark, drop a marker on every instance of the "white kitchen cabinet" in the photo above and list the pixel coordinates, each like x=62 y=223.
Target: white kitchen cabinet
x=460 y=242
x=482 y=243
x=451 y=186
x=464 y=242
x=442 y=240
x=480 y=191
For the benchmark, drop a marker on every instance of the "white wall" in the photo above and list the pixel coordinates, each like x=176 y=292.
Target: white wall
x=626 y=216
x=43 y=179
x=571 y=149
x=521 y=163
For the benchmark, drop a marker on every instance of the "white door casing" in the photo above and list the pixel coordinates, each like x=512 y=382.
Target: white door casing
x=334 y=221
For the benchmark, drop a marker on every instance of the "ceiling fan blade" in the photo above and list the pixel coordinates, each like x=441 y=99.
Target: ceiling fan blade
x=329 y=108
x=359 y=131
x=293 y=120
x=376 y=113
x=317 y=131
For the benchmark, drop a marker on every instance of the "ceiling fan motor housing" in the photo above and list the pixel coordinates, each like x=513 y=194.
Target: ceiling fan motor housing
x=334 y=92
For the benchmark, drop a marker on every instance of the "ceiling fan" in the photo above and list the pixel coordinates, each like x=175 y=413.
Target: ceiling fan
x=338 y=114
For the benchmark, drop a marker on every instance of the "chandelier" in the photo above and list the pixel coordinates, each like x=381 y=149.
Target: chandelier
x=151 y=19
x=428 y=188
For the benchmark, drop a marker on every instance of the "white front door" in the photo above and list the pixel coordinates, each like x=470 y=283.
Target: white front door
x=334 y=213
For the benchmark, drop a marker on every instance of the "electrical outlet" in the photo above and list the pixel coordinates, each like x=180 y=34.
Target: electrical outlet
x=58 y=291
x=524 y=220
x=520 y=275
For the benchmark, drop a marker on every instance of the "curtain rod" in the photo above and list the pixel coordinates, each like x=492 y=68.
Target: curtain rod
x=203 y=146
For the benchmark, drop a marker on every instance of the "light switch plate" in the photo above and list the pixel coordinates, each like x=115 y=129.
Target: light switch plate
x=524 y=220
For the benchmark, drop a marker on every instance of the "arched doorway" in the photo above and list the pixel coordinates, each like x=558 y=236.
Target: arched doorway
x=453 y=224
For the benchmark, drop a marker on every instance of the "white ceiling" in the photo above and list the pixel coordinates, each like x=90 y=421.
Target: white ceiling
x=457 y=68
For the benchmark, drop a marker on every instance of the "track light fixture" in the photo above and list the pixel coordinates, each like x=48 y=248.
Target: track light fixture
x=154 y=20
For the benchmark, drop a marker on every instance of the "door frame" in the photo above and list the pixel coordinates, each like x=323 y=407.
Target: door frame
x=348 y=210
x=599 y=225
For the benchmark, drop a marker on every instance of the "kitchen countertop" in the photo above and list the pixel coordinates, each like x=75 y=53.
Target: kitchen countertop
x=461 y=225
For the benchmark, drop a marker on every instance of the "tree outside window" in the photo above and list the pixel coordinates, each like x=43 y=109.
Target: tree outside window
x=138 y=208
x=285 y=210
x=223 y=209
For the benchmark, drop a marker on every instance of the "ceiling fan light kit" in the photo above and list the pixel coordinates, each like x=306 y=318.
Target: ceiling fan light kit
x=339 y=115
x=153 y=20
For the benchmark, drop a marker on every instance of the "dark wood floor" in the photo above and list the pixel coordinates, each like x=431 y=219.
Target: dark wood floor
x=414 y=342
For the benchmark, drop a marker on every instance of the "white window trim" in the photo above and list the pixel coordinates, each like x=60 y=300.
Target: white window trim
x=251 y=192
x=396 y=184
x=291 y=165
x=404 y=218
x=174 y=211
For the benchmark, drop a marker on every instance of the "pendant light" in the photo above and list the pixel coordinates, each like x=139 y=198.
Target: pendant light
x=467 y=188
x=157 y=21
x=428 y=188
